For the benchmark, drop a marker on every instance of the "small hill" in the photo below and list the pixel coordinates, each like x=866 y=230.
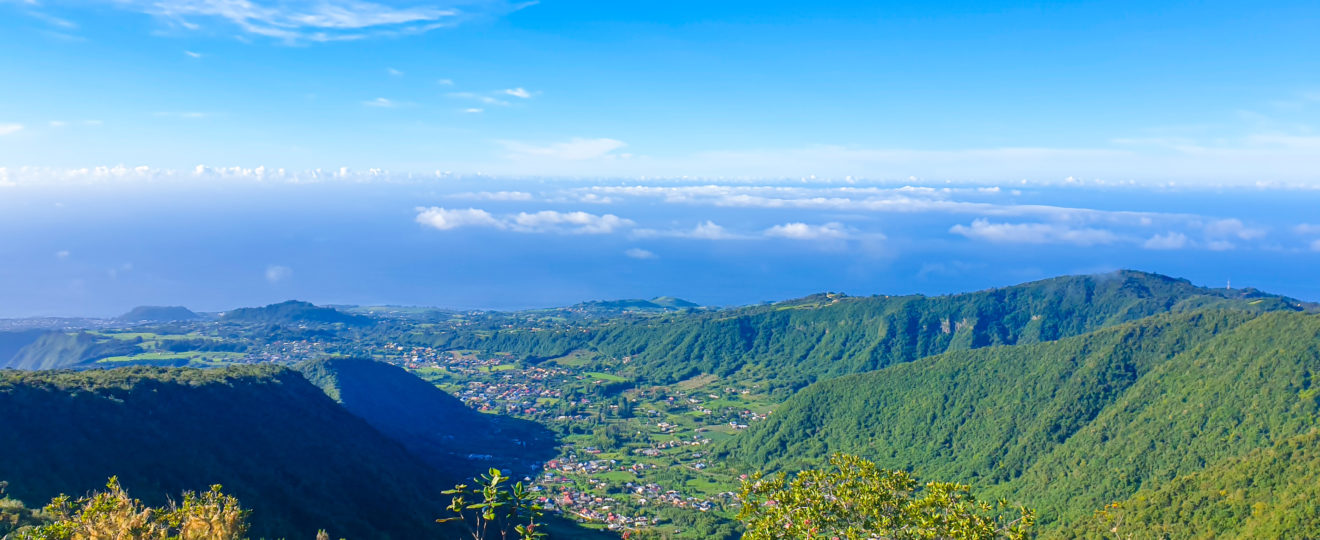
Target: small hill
x=293 y=313
x=59 y=350
x=158 y=314
x=288 y=452
x=658 y=304
x=428 y=421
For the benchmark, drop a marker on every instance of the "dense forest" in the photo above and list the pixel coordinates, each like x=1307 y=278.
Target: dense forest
x=430 y=423
x=791 y=344
x=1070 y=426
x=290 y=453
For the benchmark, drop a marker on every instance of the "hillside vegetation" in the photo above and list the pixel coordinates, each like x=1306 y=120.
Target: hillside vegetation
x=791 y=344
x=430 y=423
x=1070 y=426
x=296 y=458
x=60 y=350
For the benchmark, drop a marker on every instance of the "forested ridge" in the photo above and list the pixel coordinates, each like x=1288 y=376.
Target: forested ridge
x=292 y=455
x=1070 y=426
x=790 y=344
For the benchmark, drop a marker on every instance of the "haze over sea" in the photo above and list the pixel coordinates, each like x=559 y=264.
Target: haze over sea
x=218 y=243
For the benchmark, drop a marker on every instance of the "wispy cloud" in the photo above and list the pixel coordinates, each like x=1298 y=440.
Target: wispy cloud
x=706 y=230
x=192 y=54
x=518 y=93
x=276 y=273
x=1034 y=233
x=483 y=98
x=445 y=82
x=1233 y=228
x=394 y=72
x=1168 y=241
x=545 y=221
x=639 y=253
x=494 y=196
x=381 y=102
x=296 y=21
x=576 y=149
x=803 y=231
x=10 y=129
x=474 y=110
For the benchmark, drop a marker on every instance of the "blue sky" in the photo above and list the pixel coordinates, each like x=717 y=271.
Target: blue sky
x=219 y=153
x=1197 y=91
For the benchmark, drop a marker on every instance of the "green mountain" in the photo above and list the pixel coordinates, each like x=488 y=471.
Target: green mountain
x=158 y=314
x=1070 y=426
x=59 y=350
x=428 y=421
x=293 y=313
x=13 y=341
x=291 y=454
x=791 y=344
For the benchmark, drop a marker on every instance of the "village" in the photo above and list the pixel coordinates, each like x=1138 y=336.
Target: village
x=630 y=459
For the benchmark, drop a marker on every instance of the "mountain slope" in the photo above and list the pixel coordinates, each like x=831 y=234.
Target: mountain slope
x=1267 y=493
x=58 y=350
x=791 y=344
x=429 y=422
x=1070 y=426
x=975 y=416
x=1242 y=390
x=13 y=341
x=292 y=455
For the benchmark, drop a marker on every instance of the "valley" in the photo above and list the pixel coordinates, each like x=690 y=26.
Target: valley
x=643 y=418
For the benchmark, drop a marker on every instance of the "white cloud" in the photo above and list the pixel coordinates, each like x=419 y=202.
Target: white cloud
x=1315 y=245
x=545 y=221
x=494 y=196
x=58 y=123
x=1232 y=228
x=803 y=231
x=1307 y=228
x=488 y=100
x=1033 y=233
x=10 y=129
x=639 y=253
x=576 y=149
x=62 y=254
x=1220 y=245
x=276 y=273
x=1172 y=240
x=574 y=222
x=707 y=230
x=518 y=93
x=193 y=54
x=445 y=219
x=294 y=21
x=394 y=72
x=473 y=110
x=445 y=82
x=381 y=102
